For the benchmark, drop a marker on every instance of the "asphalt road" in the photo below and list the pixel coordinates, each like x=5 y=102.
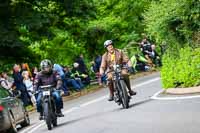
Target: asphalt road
x=94 y=114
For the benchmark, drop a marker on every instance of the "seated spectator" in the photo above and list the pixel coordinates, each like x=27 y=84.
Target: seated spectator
x=59 y=70
x=81 y=67
x=76 y=73
x=145 y=47
x=139 y=63
x=101 y=78
x=71 y=81
x=154 y=56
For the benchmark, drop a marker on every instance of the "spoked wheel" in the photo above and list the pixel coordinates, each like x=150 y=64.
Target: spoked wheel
x=47 y=115
x=26 y=121
x=54 y=119
x=124 y=94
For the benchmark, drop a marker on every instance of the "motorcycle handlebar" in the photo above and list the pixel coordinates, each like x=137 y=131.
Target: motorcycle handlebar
x=46 y=86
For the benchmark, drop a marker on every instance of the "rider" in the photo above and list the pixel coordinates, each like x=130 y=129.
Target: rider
x=47 y=77
x=111 y=57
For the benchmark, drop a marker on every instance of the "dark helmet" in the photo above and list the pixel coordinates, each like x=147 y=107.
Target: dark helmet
x=107 y=43
x=46 y=66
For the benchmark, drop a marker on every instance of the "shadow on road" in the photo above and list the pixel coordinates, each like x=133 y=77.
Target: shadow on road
x=80 y=119
x=137 y=103
x=102 y=113
x=140 y=102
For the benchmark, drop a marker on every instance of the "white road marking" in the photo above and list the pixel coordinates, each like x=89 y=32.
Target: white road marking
x=29 y=128
x=71 y=110
x=155 y=97
x=147 y=82
x=93 y=101
x=32 y=130
x=35 y=127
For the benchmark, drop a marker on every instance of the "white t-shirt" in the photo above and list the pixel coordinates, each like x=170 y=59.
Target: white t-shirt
x=29 y=84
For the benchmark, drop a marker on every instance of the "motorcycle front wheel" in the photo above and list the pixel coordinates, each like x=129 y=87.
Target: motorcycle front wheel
x=124 y=94
x=47 y=115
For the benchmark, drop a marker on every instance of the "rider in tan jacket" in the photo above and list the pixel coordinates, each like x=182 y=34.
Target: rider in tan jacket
x=111 y=57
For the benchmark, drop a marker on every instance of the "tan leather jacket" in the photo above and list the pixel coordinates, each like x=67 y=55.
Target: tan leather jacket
x=107 y=63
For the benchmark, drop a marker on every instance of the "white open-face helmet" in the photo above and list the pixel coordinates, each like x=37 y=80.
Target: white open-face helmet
x=107 y=43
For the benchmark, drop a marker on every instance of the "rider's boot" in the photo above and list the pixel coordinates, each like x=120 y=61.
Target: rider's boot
x=110 y=86
x=41 y=117
x=127 y=81
x=59 y=113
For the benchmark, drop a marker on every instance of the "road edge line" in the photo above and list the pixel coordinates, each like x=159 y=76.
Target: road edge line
x=156 y=97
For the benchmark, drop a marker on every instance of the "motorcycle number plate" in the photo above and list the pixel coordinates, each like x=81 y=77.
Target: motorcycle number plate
x=46 y=93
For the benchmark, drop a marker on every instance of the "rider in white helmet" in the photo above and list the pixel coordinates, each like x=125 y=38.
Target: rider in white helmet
x=114 y=56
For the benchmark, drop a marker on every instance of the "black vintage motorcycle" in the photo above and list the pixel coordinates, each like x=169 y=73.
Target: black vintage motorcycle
x=121 y=95
x=49 y=106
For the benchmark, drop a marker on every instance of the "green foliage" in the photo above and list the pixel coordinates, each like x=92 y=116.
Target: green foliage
x=120 y=21
x=176 y=22
x=60 y=30
x=181 y=69
x=173 y=21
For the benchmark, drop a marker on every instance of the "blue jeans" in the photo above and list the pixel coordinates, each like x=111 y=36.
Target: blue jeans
x=64 y=86
x=57 y=98
x=85 y=81
x=75 y=83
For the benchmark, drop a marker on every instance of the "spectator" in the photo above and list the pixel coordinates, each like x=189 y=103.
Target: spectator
x=29 y=86
x=18 y=82
x=145 y=47
x=155 y=56
x=81 y=67
x=71 y=81
x=92 y=68
x=26 y=69
x=97 y=62
x=139 y=63
x=96 y=67
x=76 y=73
x=34 y=73
x=59 y=70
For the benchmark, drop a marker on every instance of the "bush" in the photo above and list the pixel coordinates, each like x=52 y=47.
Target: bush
x=181 y=68
x=173 y=21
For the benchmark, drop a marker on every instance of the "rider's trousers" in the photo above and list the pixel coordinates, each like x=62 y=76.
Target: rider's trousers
x=57 y=97
x=125 y=74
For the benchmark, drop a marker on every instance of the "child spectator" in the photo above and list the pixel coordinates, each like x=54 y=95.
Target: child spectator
x=29 y=86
